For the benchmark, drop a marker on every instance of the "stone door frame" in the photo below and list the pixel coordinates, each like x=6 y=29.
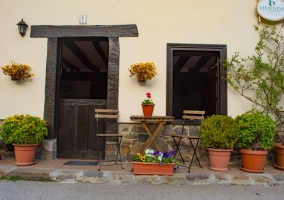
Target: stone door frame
x=52 y=33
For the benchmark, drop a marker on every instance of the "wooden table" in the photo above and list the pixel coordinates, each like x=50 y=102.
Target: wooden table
x=158 y=121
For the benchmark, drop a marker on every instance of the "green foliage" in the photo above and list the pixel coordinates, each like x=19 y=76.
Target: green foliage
x=10 y=178
x=219 y=132
x=45 y=180
x=257 y=130
x=262 y=74
x=13 y=179
x=22 y=129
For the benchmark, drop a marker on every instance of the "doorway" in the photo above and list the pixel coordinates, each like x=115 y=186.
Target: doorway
x=53 y=35
x=194 y=81
x=83 y=76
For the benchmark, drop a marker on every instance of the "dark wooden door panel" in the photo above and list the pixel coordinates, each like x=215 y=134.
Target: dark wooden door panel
x=68 y=128
x=92 y=140
x=81 y=124
x=77 y=128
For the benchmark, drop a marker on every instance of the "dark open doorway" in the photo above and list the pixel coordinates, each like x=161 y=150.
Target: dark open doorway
x=84 y=67
x=193 y=83
x=82 y=88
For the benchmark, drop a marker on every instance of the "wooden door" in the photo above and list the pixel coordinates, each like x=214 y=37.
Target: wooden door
x=77 y=128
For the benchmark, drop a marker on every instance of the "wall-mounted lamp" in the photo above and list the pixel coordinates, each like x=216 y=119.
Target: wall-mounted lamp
x=22 y=26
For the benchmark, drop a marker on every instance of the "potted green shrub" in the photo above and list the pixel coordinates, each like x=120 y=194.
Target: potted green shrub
x=25 y=132
x=219 y=133
x=257 y=132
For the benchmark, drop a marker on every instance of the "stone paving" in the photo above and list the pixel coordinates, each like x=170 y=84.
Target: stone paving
x=55 y=171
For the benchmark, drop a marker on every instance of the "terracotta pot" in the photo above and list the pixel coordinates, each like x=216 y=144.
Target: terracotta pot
x=219 y=159
x=25 y=154
x=15 y=77
x=140 y=78
x=148 y=110
x=153 y=168
x=253 y=161
x=279 y=148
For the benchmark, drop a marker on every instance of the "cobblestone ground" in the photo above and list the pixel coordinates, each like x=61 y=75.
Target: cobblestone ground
x=32 y=190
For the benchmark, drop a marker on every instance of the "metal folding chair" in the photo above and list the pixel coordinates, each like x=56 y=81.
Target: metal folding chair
x=188 y=115
x=105 y=114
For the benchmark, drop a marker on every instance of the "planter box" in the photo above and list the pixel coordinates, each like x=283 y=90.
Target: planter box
x=153 y=168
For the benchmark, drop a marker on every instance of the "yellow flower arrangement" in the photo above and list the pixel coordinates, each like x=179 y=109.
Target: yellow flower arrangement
x=16 y=69
x=145 y=70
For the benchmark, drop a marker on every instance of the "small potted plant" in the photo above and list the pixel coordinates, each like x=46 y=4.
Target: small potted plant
x=219 y=133
x=25 y=132
x=144 y=71
x=148 y=105
x=17 y=71
x=257 y=132
x=155 y=162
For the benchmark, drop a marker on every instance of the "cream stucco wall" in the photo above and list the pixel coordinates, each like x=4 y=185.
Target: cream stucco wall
x=159 y=22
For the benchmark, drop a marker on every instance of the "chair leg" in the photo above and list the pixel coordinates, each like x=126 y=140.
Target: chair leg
x=98 y=153
x=177 y=147
x=118 y=150
x=194 y=154
x=100 y=145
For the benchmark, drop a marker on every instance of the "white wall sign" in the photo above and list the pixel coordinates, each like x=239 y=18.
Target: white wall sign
x=83 y=19
x=272 y=10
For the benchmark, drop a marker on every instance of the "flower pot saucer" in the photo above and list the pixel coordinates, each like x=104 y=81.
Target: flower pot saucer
x=278 y=167
x=25 y=164
x=219 y=169
x=250 y=170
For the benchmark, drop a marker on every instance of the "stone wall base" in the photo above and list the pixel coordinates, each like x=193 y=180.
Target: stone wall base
x=48 y=149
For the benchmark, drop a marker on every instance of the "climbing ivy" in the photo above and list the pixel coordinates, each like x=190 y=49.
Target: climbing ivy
x=260 y=78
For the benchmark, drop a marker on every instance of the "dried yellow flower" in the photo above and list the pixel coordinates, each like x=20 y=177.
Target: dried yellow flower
x=17 y=69
x=146 y=70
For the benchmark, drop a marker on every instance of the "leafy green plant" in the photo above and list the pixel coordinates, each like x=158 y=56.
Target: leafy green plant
x=257 y=130
x=260 y=78
x=219 y=132
x=23 y=129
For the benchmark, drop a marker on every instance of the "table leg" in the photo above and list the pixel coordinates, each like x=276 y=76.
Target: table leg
x=152 y=136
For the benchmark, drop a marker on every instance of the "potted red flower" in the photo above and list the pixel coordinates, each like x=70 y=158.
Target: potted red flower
x=148 y=106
